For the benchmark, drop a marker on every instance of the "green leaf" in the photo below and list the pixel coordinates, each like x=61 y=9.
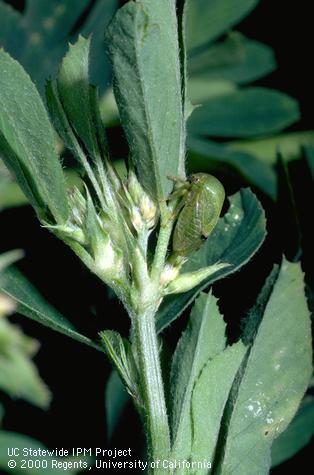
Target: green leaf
x=296 y=436
x=236 y=59
x=202 y=89
x=18 y=375
x=209 y=399
x=64 y=129
x=49 y=26
x=53 y=19
x=207 y=156
x=247 y=113
x=287 y=214
x=61 y=121
x=11 y=195
x=116 y=399
x=12 y=31
x=208 y=19
x=2 y=412
x=289 y=145
x=202 y=340
x=95 y=25
x=109 y=110
x=5 y=175
x=32 y=305
x=9 y=440
x=119 y=350
x=8 y=258
x=181 y=6
x=76 y=94
x=274 y=379
x=27 y=141
x=252 y=320
x=38 y=37
x=309 y=158
x=143 y=46
x=230 y=242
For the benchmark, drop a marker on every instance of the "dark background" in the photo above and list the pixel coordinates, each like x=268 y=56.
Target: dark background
x=76 y=374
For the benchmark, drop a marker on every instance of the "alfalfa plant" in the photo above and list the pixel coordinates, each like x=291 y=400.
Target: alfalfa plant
x=156 y=239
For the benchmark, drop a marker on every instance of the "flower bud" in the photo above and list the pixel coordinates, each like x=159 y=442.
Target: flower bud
x=134 y=187
x=77 y=207
x=168 y=274
x=145 y=212
x=136 y=218
x=7 y=305
x=148 y=210
x=108 y=259
x=189 y=280
x=69 y=230
x=73 y=228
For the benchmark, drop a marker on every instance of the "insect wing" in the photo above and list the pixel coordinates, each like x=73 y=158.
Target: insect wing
x=208 y=211
x=188 y=230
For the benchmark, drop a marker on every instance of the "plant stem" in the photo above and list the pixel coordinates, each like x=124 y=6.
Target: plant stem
x=146 y=346
x=161 y=248
x=157 y=428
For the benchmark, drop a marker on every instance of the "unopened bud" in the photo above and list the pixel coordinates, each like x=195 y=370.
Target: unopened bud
x=168 y=274
x=7 y=305
x=134 y=187
x=68 y=230
x=136 y=219
x=144 y=212
x=148 y=210
x=77 y=204
x=108 y=259
x=189 y=280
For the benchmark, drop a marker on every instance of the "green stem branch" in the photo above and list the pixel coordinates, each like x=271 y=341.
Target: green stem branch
x=162 y=246
x=157 y=427
x=146 y=346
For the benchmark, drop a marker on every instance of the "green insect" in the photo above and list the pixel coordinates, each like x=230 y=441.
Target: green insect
x=202 y=206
